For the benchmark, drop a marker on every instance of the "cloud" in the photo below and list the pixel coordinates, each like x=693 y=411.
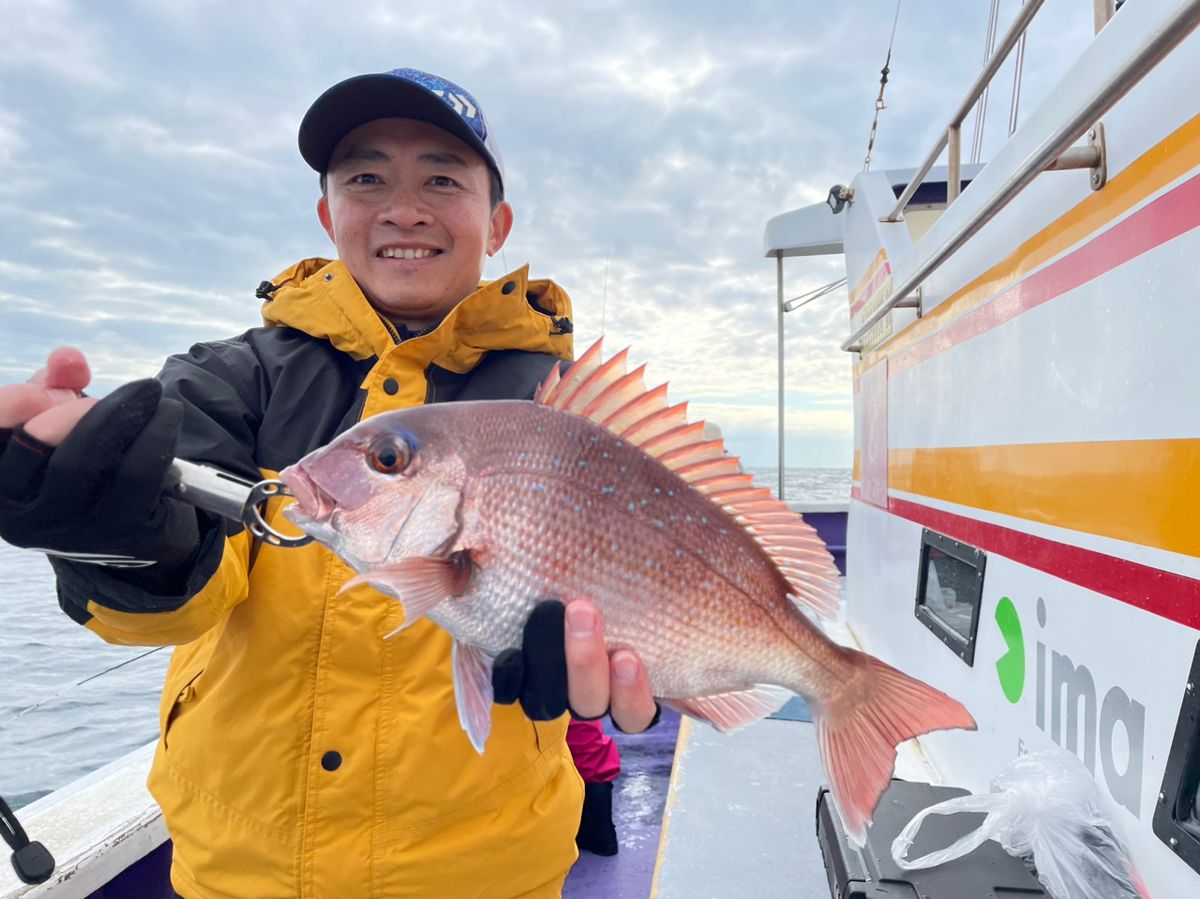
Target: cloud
x=152 y=178
x=50 y=37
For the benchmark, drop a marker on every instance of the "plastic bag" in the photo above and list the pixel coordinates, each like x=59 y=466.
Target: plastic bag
x=1046 y=805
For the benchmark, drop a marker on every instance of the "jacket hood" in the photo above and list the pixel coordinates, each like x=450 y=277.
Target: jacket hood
x=320 y=298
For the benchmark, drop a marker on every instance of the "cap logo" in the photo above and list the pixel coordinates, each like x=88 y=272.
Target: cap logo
x=462 y=105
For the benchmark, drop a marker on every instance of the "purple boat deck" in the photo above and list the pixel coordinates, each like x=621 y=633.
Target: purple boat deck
x=639 y=795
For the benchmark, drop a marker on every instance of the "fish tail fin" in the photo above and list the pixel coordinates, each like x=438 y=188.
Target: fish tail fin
x=858 y=736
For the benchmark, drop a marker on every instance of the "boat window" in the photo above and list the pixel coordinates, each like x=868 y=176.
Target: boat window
x=1177 y=813
x=949 y=591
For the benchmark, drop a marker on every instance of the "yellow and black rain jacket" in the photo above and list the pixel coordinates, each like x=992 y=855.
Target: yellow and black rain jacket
x=302 y=754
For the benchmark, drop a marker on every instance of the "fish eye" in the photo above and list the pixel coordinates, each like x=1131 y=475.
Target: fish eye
x=389 y=454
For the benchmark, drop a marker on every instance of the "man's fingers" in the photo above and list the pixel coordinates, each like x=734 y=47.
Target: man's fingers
x=633 y=706
x=53 y=425
x=67 y=369
x=21 y=402
x=587 y=660
x=59 y=381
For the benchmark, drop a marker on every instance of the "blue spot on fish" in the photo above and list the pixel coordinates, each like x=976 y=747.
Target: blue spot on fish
x=658 y=522
x=582 y=464
x=632 y=507
x=607 y=490
x=624 y=469
x=558 y=463
x=538 y=485
x=679 y=553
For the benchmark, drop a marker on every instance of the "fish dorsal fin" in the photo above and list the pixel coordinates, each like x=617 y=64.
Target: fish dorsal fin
x=603 y=391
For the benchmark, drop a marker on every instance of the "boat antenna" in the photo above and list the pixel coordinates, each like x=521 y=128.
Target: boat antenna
x=604 y=300
x=1018 y=66
x=879 y=104
x=989 y=47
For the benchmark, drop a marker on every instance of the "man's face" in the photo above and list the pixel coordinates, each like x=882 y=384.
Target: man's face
x=408 y=207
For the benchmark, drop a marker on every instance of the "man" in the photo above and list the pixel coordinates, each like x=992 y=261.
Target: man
x=301 y=753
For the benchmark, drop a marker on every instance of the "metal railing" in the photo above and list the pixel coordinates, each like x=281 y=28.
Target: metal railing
x=953 y=131
x=1103 y=97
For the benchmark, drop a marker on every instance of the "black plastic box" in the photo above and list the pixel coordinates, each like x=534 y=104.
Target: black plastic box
x=988 y=872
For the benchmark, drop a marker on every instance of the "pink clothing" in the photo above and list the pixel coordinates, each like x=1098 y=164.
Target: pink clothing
x=596 y=755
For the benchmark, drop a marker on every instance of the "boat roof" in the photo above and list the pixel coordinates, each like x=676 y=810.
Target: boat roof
x=815 y=230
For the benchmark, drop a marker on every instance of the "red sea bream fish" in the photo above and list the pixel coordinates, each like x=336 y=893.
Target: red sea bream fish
x=471 y=513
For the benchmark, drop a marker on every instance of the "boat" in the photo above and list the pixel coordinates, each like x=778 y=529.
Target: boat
x=1022 y=530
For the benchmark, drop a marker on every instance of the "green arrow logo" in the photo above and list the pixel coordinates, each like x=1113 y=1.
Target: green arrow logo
x=1010 y=667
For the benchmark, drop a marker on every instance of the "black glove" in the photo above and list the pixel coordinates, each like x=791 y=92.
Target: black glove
x=536 y=674
x=98 y=497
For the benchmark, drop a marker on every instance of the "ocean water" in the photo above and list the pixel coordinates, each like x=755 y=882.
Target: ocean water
x=70 y=703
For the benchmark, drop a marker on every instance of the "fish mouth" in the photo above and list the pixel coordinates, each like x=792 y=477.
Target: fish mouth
x=312 y=503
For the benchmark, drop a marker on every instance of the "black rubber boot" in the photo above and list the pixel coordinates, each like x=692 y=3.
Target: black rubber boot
x=596 y=831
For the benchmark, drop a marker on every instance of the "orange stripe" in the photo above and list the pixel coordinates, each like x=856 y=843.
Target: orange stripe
x=1140 y=491
x=1166 y=161
x=872 y=270
x=854 y=475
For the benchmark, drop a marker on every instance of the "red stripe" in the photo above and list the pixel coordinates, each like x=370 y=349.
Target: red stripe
x=872 y=286
x=1168 y=595
x=1163 y=219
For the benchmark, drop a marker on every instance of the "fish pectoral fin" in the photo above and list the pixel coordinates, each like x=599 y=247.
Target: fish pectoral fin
x=473 y=692
x=735 y=709
x=419 y=583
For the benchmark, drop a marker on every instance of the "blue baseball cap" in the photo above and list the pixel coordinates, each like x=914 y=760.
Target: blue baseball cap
x=403 y=94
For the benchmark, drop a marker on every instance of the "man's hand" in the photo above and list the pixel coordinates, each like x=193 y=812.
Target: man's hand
x=82 y=479
x=564 y=661
x=597 y=682
x=49 y=405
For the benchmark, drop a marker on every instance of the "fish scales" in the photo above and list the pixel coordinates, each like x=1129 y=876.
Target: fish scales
x=472 y=513
x=693 y=575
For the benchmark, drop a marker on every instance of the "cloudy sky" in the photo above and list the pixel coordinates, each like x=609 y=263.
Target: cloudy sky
x=149 y=177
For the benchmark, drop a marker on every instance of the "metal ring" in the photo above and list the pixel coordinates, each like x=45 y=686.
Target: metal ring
x=252 y=515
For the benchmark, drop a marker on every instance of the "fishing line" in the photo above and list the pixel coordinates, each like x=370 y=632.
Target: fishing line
x=71 y=686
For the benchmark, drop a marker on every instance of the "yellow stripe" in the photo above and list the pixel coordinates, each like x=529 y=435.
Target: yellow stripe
x=854 y=475
x=681 y=741
x=1165 y=162
x=1140 y=491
